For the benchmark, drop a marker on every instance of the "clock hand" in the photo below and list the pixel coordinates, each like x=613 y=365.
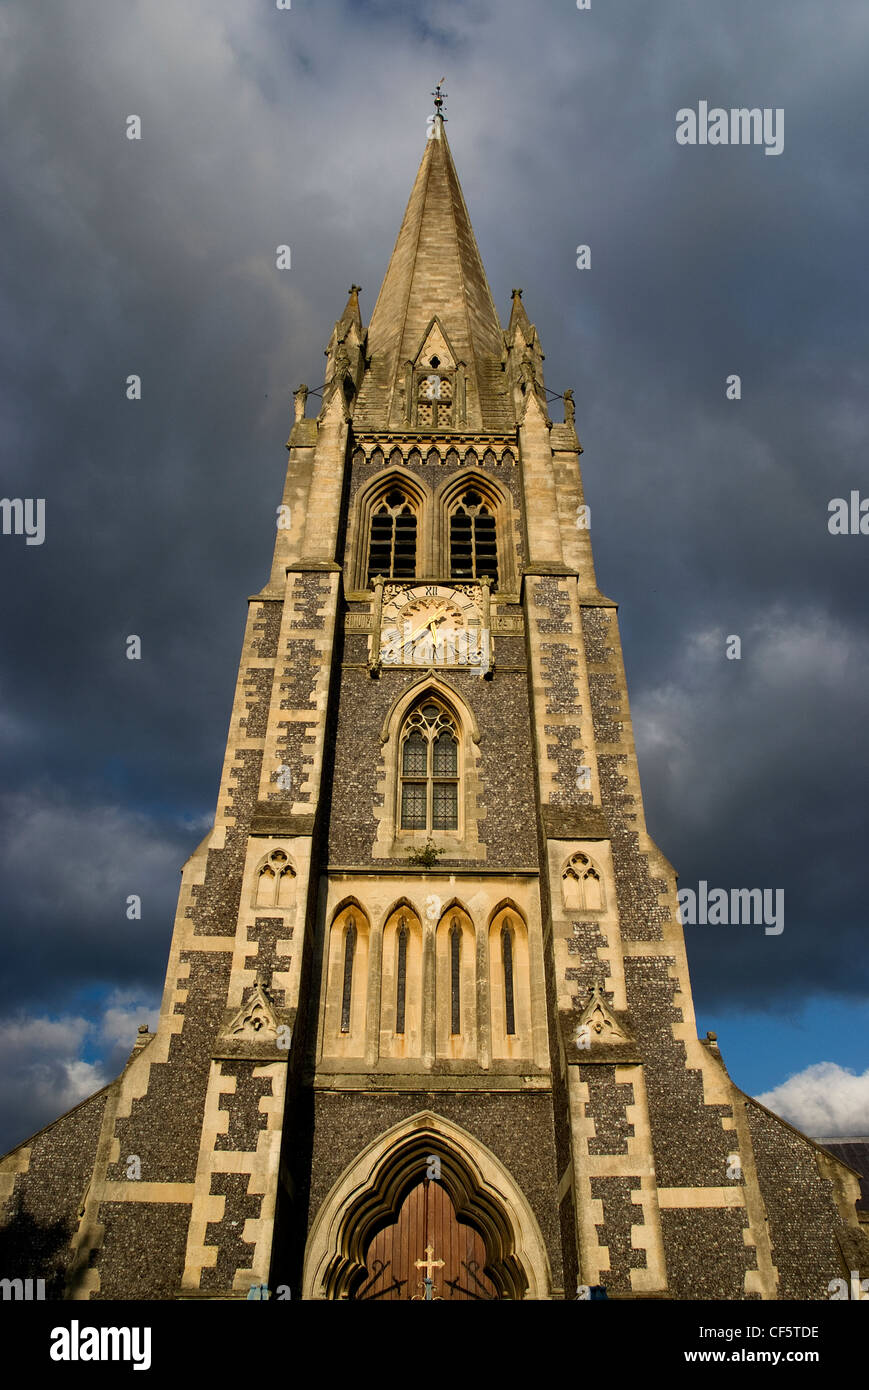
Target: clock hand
x=430 y=623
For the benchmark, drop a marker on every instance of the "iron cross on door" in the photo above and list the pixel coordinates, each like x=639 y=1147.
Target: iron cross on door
x=429 y=1264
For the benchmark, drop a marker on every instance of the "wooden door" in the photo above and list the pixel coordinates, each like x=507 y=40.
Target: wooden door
x=427 y=1253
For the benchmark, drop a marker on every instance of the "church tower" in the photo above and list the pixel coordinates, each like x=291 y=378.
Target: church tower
x=427 y=1029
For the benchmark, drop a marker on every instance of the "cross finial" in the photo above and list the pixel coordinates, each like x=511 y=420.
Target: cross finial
x=429 y=1264
x=439 y=99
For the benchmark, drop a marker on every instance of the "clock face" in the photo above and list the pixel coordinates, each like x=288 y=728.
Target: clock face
x=431 y=625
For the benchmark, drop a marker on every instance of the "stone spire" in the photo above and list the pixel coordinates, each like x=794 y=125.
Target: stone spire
x=435 y=272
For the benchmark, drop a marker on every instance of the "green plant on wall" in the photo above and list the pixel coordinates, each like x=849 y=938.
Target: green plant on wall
x=427 y=857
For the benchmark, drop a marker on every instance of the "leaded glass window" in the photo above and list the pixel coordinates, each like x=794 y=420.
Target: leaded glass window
x=429 y=795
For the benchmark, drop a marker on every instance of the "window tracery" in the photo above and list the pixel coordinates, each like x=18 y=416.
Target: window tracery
x=429 y=763
x=582 y=885
x=274 y=881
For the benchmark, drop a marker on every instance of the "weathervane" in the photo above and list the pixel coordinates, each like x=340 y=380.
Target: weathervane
x=439 y=99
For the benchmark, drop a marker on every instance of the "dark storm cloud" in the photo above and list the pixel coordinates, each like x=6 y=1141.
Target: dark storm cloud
x=708 y=517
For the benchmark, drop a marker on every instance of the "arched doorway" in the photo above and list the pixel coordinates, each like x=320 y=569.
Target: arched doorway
x=380 y=1197
x=426 y=1253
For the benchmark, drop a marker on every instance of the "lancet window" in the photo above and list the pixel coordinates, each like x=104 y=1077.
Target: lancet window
x=507 y=962
x=401 y=978
x=455 y=977
x=347 y=981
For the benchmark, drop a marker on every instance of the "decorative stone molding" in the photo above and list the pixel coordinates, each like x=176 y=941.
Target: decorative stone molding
x=480 y=1188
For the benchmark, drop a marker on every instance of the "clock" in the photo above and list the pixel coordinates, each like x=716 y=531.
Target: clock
x=433 y=625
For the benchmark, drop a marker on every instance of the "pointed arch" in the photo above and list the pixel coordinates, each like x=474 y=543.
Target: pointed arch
x=430 y=785
x=393 y=528
x=490 y=488
x=455 y=904
x=401 y=995
x=437 y=685
x=456 y=983
x=510 y=982
x=429 y=768
x=434 y=381
x=345 y=1011
x=474 y=531
x=274 y=880
x=368 y=1194
x=396 y=906
x=436 y=340
x=582 y=884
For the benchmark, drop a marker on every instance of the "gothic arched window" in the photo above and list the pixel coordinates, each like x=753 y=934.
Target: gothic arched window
x=347 y=982
x=455 y=977
x=510 y=985
x=274 y=882
x=346 y=1016
x=429 y=770
x=392 y=537
x=507 y=961
x=581 y=885
x=401 y=976
x=473 y=541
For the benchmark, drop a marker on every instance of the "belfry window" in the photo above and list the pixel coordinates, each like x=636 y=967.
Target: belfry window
x=392 y=539
x=434 y=399
x=473 y=542
x=429 y=781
